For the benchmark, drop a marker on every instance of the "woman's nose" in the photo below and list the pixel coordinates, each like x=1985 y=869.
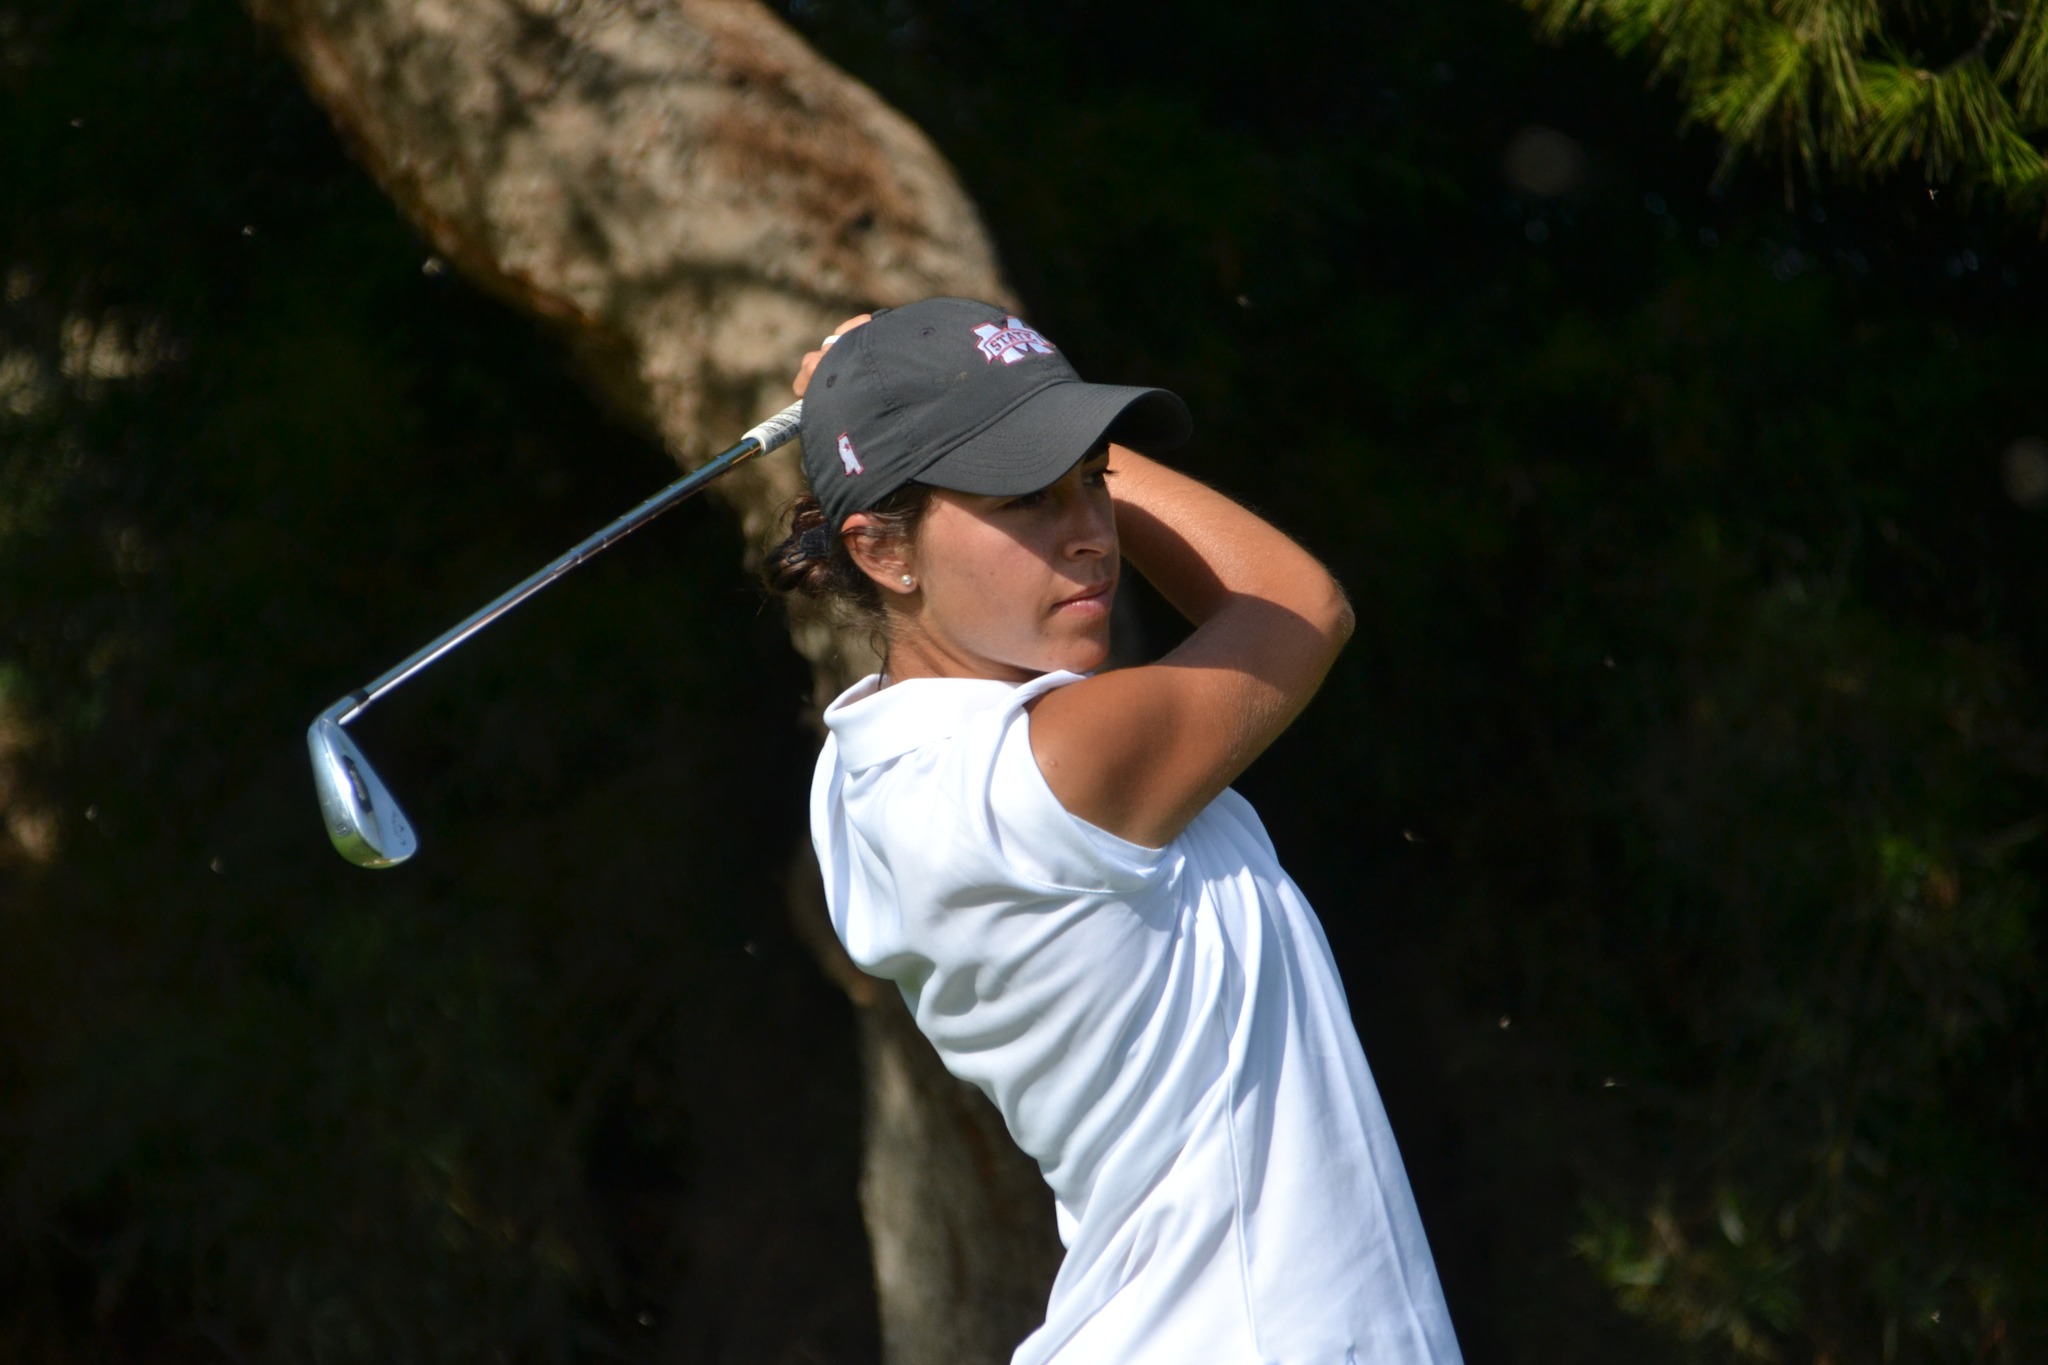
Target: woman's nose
x=1091 y=526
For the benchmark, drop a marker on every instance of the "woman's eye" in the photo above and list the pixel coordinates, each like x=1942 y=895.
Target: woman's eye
x=1026 y=501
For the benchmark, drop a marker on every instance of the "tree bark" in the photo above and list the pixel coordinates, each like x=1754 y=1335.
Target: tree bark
x=694 y=197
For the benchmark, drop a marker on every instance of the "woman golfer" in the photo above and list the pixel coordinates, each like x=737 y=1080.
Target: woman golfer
x=1087 y=923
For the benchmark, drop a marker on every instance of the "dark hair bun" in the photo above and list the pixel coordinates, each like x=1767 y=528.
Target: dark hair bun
x=810 y=564
x=807 y=563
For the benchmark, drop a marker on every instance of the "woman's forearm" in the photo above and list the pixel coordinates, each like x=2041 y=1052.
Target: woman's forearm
x=1142 y=751
x=1204 y=552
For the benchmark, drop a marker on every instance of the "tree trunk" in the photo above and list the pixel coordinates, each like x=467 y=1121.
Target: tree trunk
x=695 y=197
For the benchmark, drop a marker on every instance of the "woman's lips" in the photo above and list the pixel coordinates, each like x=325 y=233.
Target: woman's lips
x=1089 y=601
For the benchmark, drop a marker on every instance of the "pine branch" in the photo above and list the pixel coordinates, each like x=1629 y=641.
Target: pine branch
x=1767 y=85
x=1832 y=83
x=1951 y=121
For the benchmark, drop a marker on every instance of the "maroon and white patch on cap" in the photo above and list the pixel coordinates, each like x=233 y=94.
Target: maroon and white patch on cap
x=847 y=457
x=1011 y=342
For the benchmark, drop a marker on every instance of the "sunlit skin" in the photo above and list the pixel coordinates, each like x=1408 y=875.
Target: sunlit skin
x=1001 y=587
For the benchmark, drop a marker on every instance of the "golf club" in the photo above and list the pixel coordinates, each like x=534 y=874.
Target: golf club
x=367 y=826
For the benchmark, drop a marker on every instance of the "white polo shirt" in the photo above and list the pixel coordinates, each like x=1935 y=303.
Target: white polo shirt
x=1163 y=1031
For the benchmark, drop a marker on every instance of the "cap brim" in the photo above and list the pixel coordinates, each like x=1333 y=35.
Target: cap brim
x=1041 y=438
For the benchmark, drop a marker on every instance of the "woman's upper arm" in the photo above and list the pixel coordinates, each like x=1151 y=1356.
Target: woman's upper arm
x=1140 y=751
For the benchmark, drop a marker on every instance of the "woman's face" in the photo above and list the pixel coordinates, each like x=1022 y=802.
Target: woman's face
x=1009 y=587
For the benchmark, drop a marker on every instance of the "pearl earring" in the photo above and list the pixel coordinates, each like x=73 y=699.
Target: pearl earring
x=908 y=580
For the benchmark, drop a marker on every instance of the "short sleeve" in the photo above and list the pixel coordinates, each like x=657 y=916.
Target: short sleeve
x=1035 y=836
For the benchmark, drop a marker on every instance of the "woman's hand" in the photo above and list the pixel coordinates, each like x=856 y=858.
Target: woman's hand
x=803 y=371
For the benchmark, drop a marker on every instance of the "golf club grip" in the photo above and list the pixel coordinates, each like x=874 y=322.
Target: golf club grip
x=779 y=429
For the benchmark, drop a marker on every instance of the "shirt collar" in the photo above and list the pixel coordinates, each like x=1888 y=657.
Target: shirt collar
x=874 y=724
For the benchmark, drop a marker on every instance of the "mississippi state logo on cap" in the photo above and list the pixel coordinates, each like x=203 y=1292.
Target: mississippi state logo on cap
x=897 y=400
x=1011 y=342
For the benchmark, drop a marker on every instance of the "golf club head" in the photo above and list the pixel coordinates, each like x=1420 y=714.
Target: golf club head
x=366 y=825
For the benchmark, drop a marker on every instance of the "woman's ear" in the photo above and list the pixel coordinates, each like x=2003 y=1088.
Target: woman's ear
x=879 y=555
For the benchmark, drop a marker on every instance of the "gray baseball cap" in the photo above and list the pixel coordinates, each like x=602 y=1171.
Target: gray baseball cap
x=965 y=396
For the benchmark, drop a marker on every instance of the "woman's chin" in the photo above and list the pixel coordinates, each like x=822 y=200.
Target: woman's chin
x=1083 y=656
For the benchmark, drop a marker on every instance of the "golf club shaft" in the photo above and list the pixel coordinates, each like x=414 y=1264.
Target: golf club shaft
x=759 y=441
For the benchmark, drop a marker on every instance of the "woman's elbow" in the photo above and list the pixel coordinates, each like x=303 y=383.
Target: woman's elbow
x=1338 y=619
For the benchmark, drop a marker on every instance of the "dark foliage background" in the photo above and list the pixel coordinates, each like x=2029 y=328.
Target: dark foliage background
x=1677 y=813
